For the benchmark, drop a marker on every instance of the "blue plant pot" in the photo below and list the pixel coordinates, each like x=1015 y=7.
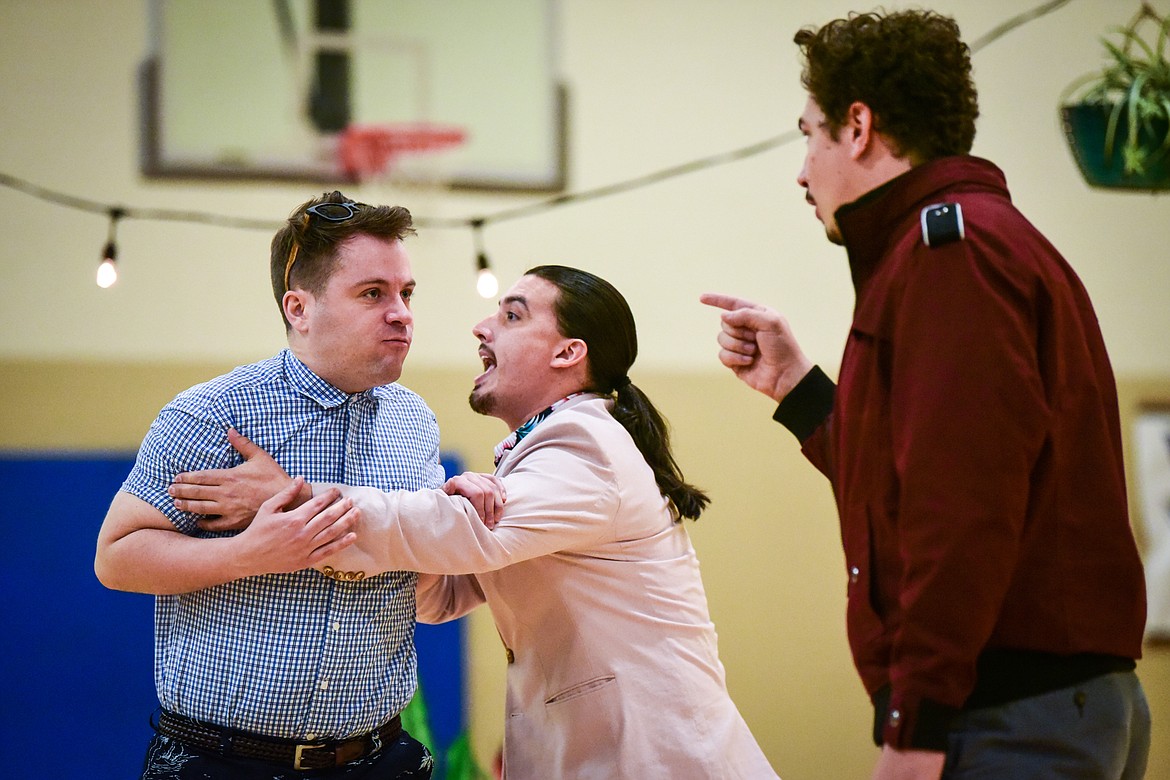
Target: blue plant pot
x=1084 y=128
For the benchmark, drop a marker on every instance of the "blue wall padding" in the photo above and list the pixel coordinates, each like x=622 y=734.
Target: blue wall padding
x=77 y=658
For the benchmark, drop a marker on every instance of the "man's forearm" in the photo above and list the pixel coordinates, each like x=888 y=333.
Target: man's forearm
x=139 y=550
x=162 y=562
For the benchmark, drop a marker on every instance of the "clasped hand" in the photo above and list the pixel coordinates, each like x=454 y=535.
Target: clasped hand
x=231 y=499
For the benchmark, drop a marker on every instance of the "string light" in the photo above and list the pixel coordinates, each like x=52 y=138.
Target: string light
x=107 y=272
x=486 y=283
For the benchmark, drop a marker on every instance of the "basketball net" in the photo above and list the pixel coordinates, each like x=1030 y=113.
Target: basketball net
x=409 y=153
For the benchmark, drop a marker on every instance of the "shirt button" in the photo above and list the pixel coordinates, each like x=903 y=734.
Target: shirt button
x=336 y=626
x=323 y=685
x=854 y=574
x=511 y=655
x=895 y=718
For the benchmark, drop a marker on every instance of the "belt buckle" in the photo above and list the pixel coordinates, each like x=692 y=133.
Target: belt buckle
x=299 y=752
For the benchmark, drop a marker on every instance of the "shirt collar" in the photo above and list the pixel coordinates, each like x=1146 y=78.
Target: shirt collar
x=302 y=379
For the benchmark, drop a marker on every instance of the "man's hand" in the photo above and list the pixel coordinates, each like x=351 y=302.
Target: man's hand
x=281 y=540
x=141 y=551
x=233 y=495
x=894 y=764
x=758 y=346
x=485 y=492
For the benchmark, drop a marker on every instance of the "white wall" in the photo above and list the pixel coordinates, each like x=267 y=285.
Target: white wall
x=653 y=83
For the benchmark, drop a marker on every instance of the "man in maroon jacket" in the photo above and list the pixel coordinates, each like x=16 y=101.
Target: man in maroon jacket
x=996 y=600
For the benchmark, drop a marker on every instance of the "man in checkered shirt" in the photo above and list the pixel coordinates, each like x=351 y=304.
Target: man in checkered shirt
x=269 y=676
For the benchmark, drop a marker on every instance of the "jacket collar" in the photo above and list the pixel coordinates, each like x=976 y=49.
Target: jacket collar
x=874 y=221
x=517 y=436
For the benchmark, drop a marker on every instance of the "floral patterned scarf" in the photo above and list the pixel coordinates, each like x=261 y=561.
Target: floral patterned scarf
x=517 y=435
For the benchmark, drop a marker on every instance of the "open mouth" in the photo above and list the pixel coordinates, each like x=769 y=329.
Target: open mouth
x=489 y=363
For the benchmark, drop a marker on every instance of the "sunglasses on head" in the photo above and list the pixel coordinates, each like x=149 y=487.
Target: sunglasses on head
x=334 y=212
x=331 y=212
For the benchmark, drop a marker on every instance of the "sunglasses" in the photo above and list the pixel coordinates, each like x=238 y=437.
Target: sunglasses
x=331 y=212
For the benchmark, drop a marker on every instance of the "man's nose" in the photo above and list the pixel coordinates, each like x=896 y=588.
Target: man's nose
x=400 y=312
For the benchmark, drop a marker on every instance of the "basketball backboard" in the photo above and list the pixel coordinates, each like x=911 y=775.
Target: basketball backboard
x=265 y=90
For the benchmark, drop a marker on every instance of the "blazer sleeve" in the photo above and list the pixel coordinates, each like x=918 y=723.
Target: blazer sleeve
x=440 y=597
x=562 y=495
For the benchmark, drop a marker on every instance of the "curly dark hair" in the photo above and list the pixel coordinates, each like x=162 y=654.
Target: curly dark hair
x=910 y=68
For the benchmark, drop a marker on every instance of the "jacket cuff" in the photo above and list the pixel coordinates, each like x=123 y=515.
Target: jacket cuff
x=808 y=405
x=903 y=723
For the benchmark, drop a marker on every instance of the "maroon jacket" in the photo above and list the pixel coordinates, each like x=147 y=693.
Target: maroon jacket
x=975 y=452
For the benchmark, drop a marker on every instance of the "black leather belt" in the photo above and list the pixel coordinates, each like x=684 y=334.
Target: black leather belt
x=298 y=755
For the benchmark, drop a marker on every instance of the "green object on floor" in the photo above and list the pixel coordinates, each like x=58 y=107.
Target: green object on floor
x=459 y=762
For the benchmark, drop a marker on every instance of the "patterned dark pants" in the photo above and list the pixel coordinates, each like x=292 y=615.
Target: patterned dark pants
x=169 y=759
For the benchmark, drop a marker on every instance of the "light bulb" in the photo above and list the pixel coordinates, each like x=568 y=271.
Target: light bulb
x=486 y=284
x=107 y=273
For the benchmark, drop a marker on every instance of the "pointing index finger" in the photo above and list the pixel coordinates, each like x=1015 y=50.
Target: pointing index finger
x=727 y=302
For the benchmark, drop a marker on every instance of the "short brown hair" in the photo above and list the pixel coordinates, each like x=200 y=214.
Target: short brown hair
x=315 y=242
x=912 y=70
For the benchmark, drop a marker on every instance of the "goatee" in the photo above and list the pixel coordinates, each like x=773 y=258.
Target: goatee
x=481 y=403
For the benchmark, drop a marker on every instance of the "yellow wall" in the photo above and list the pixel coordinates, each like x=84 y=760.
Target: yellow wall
x=770 y=555
x=651 y=84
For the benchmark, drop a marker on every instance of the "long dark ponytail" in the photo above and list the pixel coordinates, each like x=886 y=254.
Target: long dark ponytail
x=591 y=309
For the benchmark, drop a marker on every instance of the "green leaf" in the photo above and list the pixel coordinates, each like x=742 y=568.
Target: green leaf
x=1135 y=83
x=460 y=761
x=417 y=722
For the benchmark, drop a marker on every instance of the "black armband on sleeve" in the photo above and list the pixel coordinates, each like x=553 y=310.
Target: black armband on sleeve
x=807 y=406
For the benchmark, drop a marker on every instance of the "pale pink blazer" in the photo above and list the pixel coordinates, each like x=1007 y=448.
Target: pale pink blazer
x=613 y=669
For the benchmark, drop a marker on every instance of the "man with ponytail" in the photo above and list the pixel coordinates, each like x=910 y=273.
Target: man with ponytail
x=613 y=668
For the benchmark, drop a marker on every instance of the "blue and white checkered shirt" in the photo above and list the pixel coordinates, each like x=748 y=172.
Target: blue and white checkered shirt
x=299 y=655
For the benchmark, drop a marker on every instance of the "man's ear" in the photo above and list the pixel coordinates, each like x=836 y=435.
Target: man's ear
x=858 y=130
x=571 y=352
x=296 y=305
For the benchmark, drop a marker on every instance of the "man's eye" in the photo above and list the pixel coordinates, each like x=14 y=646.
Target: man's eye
x=373 y=293
x=407 y=294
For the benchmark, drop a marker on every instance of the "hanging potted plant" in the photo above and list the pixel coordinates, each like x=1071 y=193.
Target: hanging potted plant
x=1117 y=120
